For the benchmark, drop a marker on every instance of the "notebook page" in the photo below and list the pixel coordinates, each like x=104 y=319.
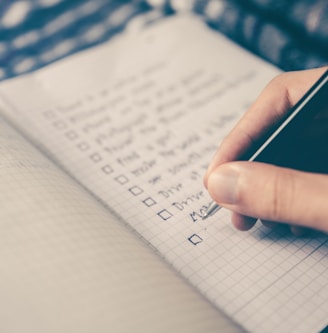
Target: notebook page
x=66 y=265
x=136 y=122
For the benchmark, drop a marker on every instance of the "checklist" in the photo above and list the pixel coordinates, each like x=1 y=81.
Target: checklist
x=139 y=141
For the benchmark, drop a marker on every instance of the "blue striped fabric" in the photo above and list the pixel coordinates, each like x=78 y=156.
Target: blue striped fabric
x=34 y=33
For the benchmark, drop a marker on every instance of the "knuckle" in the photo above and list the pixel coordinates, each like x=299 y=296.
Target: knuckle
x=278 y=80
x=284 y=77
x=280 y=87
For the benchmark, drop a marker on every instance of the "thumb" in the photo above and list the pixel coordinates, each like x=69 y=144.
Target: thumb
x=272 y=193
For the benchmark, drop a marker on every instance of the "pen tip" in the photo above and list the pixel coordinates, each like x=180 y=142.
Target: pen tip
x=212 y=209
x=205 y=216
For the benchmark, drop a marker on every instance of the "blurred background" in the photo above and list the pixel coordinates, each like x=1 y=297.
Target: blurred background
x=291 y=34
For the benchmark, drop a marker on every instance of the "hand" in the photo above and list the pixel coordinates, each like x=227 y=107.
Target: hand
x=253 y=190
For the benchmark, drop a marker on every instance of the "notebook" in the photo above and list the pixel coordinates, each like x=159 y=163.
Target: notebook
x=103 y=155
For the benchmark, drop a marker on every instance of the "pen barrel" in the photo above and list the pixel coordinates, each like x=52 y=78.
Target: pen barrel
x=300 y=140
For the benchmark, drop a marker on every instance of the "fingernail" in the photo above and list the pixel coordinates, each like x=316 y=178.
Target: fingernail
x=222 y=185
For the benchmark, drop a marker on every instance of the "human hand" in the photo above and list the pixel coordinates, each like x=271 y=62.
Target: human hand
x=254 y=190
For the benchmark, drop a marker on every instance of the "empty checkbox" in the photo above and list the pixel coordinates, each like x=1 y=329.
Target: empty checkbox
x=165 y=214
x=49 y=114
x=121 y=179
x=95 y=157
x=195 y=239
x=83 y=146
x=60 y=125
x=71 y=135
x=149 y=202
x=136 y=190
x=107 y=169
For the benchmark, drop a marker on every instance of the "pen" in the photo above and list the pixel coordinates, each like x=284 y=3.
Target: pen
x=278 y=146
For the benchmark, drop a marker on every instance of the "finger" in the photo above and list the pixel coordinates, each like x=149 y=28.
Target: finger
x=278 y=97
x=242 y=222
x=294 y=229
x=272 y=193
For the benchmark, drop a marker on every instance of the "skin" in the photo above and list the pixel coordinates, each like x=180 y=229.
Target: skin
x=253 y=190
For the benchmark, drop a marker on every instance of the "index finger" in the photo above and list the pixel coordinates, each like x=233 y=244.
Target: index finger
x=275 y=100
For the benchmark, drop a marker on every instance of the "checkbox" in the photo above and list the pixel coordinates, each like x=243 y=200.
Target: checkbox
x=149 y=202
x=71 y=135
x=136 y=190
x=95 y=157
x=83 y=146
x=60 y=125
x=121 y=179
x=49 y=114
x=195 y=239
x=107 y=169
x=165 y=214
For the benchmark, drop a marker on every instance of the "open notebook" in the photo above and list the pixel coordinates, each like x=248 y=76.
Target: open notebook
x=102 y=159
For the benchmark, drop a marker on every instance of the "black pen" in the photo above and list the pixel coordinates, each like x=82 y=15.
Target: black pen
x=282 y=145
